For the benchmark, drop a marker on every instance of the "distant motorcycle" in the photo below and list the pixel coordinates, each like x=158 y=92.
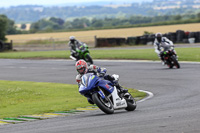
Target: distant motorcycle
x=83 y=53
x=105 y=95
x=169 y=56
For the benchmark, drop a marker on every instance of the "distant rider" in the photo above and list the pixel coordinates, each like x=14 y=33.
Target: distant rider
x=74 y=45
x=159 y=42
x=82 y=68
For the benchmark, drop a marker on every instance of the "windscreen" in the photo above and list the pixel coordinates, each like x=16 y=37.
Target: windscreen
x=85 y=79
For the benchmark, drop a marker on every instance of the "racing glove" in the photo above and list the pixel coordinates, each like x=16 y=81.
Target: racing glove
x=101 y=71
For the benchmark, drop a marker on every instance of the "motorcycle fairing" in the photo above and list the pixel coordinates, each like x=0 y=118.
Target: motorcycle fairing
x=107 y=85
x=89 y=82
x=117 y=101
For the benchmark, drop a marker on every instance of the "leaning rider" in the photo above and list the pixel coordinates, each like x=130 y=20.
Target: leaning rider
x=74 y=44
x=158 y=42
x=82 y=68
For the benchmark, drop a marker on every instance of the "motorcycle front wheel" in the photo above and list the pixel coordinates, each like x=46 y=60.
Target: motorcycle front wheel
x=104 y=104
x=175 y=62
x=88 y=59
x=169 y=64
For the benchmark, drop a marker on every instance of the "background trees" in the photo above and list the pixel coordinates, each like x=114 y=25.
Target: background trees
x=53 y=23
x=3 y=27
x=7 y=26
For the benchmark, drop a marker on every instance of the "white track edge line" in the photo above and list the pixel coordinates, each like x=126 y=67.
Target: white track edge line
x=150 y=95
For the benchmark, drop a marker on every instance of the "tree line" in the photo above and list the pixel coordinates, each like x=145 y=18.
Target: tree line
x=33 y=13
x=52 y=24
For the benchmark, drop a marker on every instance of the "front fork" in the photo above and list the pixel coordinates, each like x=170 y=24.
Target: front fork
x=103 y=96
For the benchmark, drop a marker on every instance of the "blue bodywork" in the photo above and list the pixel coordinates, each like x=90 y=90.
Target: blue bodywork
x=90 y=82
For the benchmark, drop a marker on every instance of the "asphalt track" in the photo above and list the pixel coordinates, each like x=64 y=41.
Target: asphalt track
x=175 y=107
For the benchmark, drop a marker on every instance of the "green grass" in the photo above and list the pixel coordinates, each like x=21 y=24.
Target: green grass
x=185 y=54
x=26 y=98
x=37 y=54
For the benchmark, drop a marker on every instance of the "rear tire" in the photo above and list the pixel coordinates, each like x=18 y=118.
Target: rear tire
x=104 y=104
x=131 y=103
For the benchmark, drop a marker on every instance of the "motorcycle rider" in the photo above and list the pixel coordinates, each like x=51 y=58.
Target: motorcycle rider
x=158 y=42
x=74 y=45
x=82 y=68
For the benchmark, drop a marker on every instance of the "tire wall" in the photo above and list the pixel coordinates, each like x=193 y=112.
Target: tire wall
x=179 y=36
x=5 y=46
x=108 y=42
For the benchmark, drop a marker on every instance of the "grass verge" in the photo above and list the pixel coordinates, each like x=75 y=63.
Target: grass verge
x=185 y=54
x=26 y=98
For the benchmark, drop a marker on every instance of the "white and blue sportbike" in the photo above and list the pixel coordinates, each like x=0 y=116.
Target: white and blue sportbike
x=104 y=94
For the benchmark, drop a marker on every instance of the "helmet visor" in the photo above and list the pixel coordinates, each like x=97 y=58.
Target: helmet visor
x=81 y=70
x=72 y=41
x=159 y=38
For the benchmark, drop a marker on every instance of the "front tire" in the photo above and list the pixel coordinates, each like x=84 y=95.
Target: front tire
x=104 y=104
x=89 y=59
x=175 y=62
x=169 y=64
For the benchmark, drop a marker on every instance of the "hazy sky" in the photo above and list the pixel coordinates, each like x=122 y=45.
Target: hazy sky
x=7 y=3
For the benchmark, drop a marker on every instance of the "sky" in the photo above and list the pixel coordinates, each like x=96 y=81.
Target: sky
x=8 y=3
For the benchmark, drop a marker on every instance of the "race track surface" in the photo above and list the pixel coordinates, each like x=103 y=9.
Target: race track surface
x=175 y=107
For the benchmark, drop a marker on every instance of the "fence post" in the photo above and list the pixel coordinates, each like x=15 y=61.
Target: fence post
x=11 y=44
x=95 y=41
x=53 y=43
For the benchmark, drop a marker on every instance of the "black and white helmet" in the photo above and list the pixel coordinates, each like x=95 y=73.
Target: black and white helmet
x=158 y=37
x=72 y=39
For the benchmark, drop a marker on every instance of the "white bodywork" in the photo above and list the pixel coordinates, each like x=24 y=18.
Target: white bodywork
x=118 y=102
x=73 y=58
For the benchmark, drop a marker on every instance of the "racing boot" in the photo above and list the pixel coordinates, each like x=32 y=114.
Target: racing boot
x=163 y=63
x=121 y=89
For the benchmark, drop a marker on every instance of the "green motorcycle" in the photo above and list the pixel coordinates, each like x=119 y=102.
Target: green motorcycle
x=83 y=53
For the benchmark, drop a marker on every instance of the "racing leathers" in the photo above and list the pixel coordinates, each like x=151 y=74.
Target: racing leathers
x=157 y=45
x=73 y=48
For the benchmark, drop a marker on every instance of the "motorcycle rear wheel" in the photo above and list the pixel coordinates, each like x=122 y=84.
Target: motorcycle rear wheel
x=104 y=104
x=131 y=103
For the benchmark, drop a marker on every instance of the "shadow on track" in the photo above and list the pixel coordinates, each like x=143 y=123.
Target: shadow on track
x=102 y=114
